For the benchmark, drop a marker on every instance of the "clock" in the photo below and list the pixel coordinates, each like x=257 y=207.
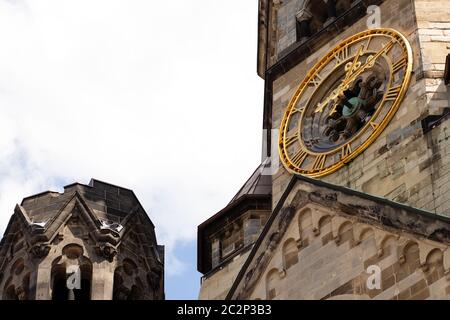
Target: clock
x=345 y=102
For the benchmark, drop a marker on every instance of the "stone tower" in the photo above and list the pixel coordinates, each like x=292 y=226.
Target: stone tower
x=91 y=242
x=356 y=153
x=409 y=161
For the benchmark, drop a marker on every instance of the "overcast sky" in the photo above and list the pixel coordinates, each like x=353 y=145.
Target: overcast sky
x=161 y=97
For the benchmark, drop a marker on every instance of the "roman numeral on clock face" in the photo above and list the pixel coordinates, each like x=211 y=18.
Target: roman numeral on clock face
x=316 y=81
x=290 y=140
x=392 y=93
x=374 y=125
x=300 y=110
x=346 y=151
x=319 y=163
x=342 y=55
x=299 y=157
x=400 y=64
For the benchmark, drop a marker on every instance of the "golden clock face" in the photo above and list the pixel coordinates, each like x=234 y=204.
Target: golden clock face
x=345 y=102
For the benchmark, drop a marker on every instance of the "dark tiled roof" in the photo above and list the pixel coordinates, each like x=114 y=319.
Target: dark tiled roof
x=255 y=194
x=258 y=183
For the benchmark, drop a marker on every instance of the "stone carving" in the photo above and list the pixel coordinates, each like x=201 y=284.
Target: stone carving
x=107 y=251
x=40 y=250
x=354 y=109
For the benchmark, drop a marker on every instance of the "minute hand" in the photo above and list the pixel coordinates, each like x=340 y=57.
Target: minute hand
x=369 y=63
x=351 y=77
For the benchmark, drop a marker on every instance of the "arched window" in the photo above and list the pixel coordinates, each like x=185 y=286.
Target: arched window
x=18 y=284
x=410 y=261
x=435 y=266
x=389 y=246
x=367 y=234
x=71 y=275
x=325 y=229
x=60 y=291
x=272 y=282
x=290 y=253
x=305 y=226
x=127 y=284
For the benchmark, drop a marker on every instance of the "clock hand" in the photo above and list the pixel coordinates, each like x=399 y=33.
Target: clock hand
x=353 y=66
x=333 y=96
x=349 y=67
x=350 y=77
x=370 y=62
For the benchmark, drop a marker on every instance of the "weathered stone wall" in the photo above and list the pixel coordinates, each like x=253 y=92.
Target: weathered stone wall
x=216 y=285
x=403 y=164
x=286 y=23
x=116 y=261
x=332 y=253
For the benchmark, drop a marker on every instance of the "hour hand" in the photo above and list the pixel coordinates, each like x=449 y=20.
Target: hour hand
x=336 y=94
x=322 y=105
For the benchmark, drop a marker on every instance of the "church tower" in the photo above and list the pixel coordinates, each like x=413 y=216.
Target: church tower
x=356 y=149
x=396 y=146
x=91 y=242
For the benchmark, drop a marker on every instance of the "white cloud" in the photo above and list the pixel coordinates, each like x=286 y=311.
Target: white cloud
x=161 y=97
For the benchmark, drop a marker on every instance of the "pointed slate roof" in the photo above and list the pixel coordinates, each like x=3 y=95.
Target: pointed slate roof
x=258 y=183
x=256 y=193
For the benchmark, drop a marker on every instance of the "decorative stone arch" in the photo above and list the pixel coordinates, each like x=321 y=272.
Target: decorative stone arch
x=305 y=223
x=336 y=223
x=127 y=281
x=272 y=282
x=366 y=233
x=72 y=258
x=318 y=213
x=425 y=248
x=409 y=252
x=325 y=228
x=345 y=232
x=290 y=253
x=363 y=232
x=388 y=245
x=17 y=280
x=434 y=266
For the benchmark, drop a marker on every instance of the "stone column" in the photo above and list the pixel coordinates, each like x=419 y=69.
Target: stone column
x=43 y=283
x=303 y=25
x=102 y=280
